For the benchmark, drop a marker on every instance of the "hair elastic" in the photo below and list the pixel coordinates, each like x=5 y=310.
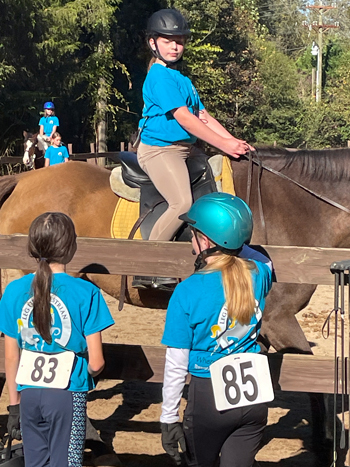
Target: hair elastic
x=42 y=259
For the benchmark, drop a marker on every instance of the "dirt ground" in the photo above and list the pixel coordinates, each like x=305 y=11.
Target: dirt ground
x=127 y=414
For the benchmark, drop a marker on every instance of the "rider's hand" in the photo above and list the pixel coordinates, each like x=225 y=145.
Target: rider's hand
x=235 y=147
x=172 y=436
x=13 y=424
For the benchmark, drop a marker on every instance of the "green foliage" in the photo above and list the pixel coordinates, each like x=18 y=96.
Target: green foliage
x=249 y=59
x=221 y=59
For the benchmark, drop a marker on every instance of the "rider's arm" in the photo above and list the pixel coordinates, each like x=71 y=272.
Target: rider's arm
x=213 y=124
x=47 y=162
x=96 y=360
x=196 y=127
x=175 y=372
x=11 y=366
x=54 y=129
x=41 y=131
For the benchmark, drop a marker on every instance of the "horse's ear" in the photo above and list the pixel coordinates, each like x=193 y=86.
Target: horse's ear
x=25 y=134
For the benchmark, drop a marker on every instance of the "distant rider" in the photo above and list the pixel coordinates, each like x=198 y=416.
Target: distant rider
x=48 y=126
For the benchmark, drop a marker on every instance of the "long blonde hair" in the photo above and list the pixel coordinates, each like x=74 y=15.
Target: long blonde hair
x=237 y=283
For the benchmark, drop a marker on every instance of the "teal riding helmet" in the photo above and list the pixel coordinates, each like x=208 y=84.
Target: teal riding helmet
x=225 y=219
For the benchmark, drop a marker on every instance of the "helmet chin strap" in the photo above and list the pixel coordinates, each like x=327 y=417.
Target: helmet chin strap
x=200 y=262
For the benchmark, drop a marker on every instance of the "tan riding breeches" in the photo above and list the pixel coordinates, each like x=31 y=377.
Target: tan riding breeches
x=166 y=167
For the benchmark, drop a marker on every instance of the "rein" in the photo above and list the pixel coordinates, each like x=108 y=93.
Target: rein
x=257 y=161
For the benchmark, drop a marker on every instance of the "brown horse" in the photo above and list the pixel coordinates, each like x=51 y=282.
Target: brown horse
x=33 y=156
x=292 y=216
x=286 y=213
x=81 y=191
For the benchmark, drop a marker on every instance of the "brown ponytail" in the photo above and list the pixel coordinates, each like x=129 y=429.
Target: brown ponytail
x=51 y=239
x=41 y=301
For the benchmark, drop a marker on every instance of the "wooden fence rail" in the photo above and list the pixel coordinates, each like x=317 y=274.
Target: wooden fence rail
x=134 y=257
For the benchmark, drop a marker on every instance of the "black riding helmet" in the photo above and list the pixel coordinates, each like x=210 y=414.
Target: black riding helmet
x=167 y=22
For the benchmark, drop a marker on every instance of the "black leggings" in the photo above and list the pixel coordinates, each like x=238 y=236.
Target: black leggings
x=235 y=433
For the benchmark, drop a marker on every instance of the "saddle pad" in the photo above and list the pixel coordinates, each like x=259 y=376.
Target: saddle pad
x=226 y=177
x=125 y=215
x=126 y=212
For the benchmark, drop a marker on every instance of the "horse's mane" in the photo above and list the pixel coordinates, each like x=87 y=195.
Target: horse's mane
x=331 y=165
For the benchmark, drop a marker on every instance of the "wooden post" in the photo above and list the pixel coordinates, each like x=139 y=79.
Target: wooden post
x=122 y=146
x=313 y=83
x=348 y=143
x=93 y=159
x=70 y=149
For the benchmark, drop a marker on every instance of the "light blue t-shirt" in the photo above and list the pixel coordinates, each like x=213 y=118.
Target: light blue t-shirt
x=77 y=309
x=48 y=123
x=165 y=89
x=56 y=155
x=197 y=319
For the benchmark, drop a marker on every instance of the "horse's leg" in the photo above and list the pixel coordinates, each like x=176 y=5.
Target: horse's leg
x=103 y=454
x=322 y=436
x=281 y=330
x=280 y=327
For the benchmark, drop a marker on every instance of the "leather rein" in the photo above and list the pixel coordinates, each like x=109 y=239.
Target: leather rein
x=253 y=158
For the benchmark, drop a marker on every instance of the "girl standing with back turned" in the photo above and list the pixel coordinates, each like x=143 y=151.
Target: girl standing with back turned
x=212 y=315
x=52 y=324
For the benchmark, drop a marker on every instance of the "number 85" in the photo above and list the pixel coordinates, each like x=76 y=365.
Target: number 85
x=231 y=382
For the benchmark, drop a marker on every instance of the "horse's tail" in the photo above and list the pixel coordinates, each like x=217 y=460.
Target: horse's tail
x=7 y=185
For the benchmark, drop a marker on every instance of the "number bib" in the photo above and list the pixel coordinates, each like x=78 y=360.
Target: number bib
x=240 y=380
x=45 y=370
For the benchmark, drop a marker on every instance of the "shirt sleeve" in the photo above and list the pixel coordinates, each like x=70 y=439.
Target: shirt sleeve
x=65 y=152
x=56 y=121
x=250 y=253
x=175 y=372
x=99 y=316
x=265 y=274
x=177 y=331
x=8 y=324
x=167 y=95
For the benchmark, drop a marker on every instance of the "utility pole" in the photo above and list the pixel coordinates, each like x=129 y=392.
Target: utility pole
x=320 y=28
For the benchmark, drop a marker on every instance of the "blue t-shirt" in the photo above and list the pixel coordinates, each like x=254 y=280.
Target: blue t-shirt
x=197 y=319
x=48 y=123
x=77 y=309
x=165 y=89
x=56 y=155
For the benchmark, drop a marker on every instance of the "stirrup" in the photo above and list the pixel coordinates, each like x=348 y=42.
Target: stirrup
x=142 y=282
x=164 y=281
x=160 y=283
